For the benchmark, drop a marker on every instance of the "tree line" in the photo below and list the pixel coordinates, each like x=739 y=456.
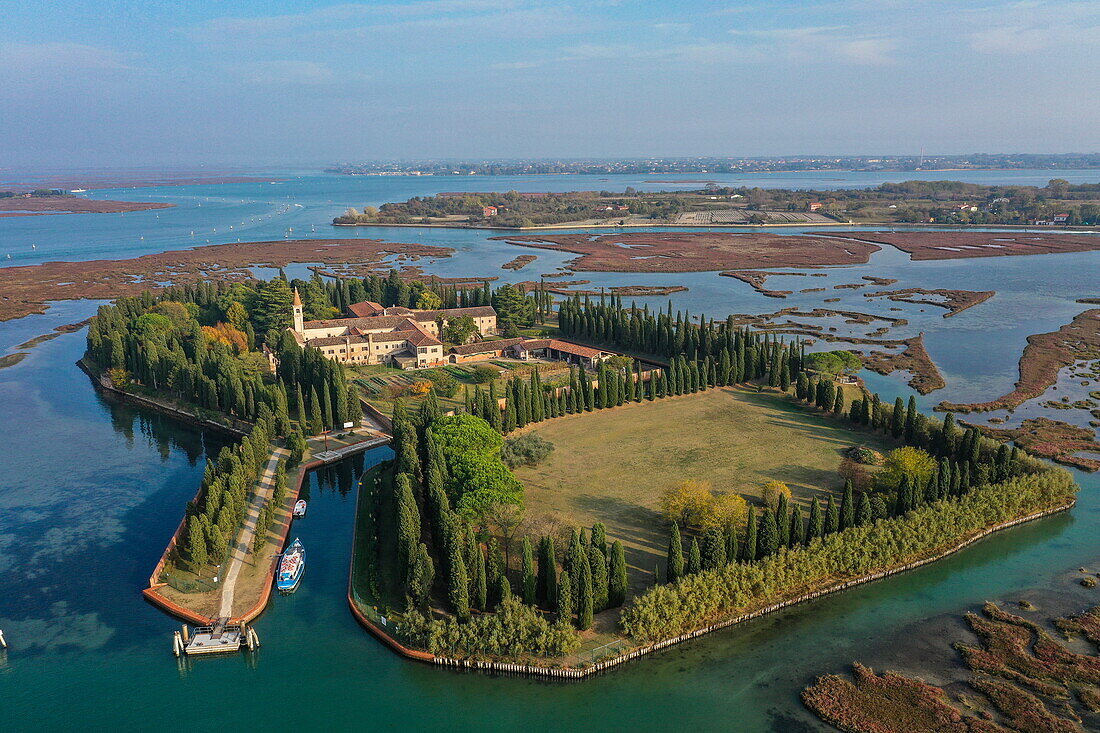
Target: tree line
x=177 y=344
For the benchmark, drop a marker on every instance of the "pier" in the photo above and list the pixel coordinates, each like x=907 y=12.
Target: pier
x=221 y=638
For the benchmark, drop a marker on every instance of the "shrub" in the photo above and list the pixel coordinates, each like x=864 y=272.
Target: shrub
x=688 y=503
x=773 y=490
x=851 y=470
x=445 y=384
x=527 y=450
x=863 y=454
x=483 y=374
x=515 y=630
x=906 y=461
x=727 y=510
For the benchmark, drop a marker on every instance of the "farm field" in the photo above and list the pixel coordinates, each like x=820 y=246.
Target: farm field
x=611 y=466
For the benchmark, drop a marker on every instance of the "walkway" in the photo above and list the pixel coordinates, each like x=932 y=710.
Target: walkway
x=243 y=545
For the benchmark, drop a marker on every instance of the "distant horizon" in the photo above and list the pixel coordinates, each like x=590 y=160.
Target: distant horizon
x=457 y=159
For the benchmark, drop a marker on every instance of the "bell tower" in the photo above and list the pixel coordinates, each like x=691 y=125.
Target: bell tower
x=299 y=320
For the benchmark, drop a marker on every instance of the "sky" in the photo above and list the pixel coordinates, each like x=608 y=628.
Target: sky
x=158 y=82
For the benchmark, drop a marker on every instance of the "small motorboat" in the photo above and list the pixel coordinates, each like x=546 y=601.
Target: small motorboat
x=300 y=508
x=291 y=567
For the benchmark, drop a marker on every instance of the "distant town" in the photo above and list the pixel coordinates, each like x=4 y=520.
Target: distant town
x=708 y=164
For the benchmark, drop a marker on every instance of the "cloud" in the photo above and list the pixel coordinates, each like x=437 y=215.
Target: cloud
x=38 y=57
x=1030 y=27
x=868 y=51
x=284 y=72
x=841 y=42
x=345 y=17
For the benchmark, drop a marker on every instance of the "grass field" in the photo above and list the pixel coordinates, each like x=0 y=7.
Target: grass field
x=611 y=466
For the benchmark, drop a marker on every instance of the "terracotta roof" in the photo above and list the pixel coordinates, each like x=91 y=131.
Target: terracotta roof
x=423 y=338
x=335 y=340
x=365 y=309
x=477 y=311
x=484 y=347
x=563 y=346
x=297 y=298
x=529 y=344
x=377 y=323
x=414 y=336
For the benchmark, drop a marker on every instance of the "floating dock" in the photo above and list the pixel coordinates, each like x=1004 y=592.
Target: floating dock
x=221 y=638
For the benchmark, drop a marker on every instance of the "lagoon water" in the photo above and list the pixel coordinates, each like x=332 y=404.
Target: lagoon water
x=91 y=491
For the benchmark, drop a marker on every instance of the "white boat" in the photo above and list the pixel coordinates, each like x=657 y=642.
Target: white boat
x=291 y=567
x=300 y=508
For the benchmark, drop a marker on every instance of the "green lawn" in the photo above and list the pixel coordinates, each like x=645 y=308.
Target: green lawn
x=611 y=466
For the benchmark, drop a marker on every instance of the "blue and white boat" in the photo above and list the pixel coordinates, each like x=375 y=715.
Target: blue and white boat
x=291 y=567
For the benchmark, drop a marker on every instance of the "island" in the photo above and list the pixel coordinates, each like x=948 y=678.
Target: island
x=1058 y=204
x=52 y=201
x=735 y=473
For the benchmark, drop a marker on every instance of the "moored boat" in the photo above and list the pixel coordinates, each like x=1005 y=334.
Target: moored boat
x=291 y=567
x=300 y=508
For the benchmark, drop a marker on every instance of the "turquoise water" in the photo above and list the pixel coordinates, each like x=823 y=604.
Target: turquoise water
x=92 y=490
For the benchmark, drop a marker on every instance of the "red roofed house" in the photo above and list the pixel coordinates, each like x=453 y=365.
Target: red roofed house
x=815 y=205
x=558 y=350
x=488 y=211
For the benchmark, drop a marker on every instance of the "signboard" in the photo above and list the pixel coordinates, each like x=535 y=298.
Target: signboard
x=349 y=425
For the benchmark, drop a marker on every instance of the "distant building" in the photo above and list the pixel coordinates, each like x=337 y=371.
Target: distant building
x=815 y=205
x=526 y=349
x=1061 y=218
x=488 y=211
x=402 y=337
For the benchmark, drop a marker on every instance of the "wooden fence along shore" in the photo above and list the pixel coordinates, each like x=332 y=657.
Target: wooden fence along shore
x=582 y=672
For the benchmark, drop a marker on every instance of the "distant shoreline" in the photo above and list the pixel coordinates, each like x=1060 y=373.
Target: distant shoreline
x=888 y=224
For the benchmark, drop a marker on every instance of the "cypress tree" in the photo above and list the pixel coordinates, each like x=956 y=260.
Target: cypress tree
x=421 y=575
x=674 y=566
x=316 y=424
x=848 y=506
x=832 y=516
x=695 y=558
x=864 y=514
x=748 y=550
x=408 y=523
x=458 y=585
x=911 y=421
x=599 y=537
x=565 y=597
x=714 y=549
x=838 y=402
x=901 y=504
x=768 y=535
x=548 y=572
x=817 y=522
x=585 y=597
x=782 y=520
x=617 y=581
x=494 y=567
x=196 y=542
x=597 y=562
x=798 y=528
x=897 y=420
x=481 y=587
x=529 y=579
x=731 y=544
